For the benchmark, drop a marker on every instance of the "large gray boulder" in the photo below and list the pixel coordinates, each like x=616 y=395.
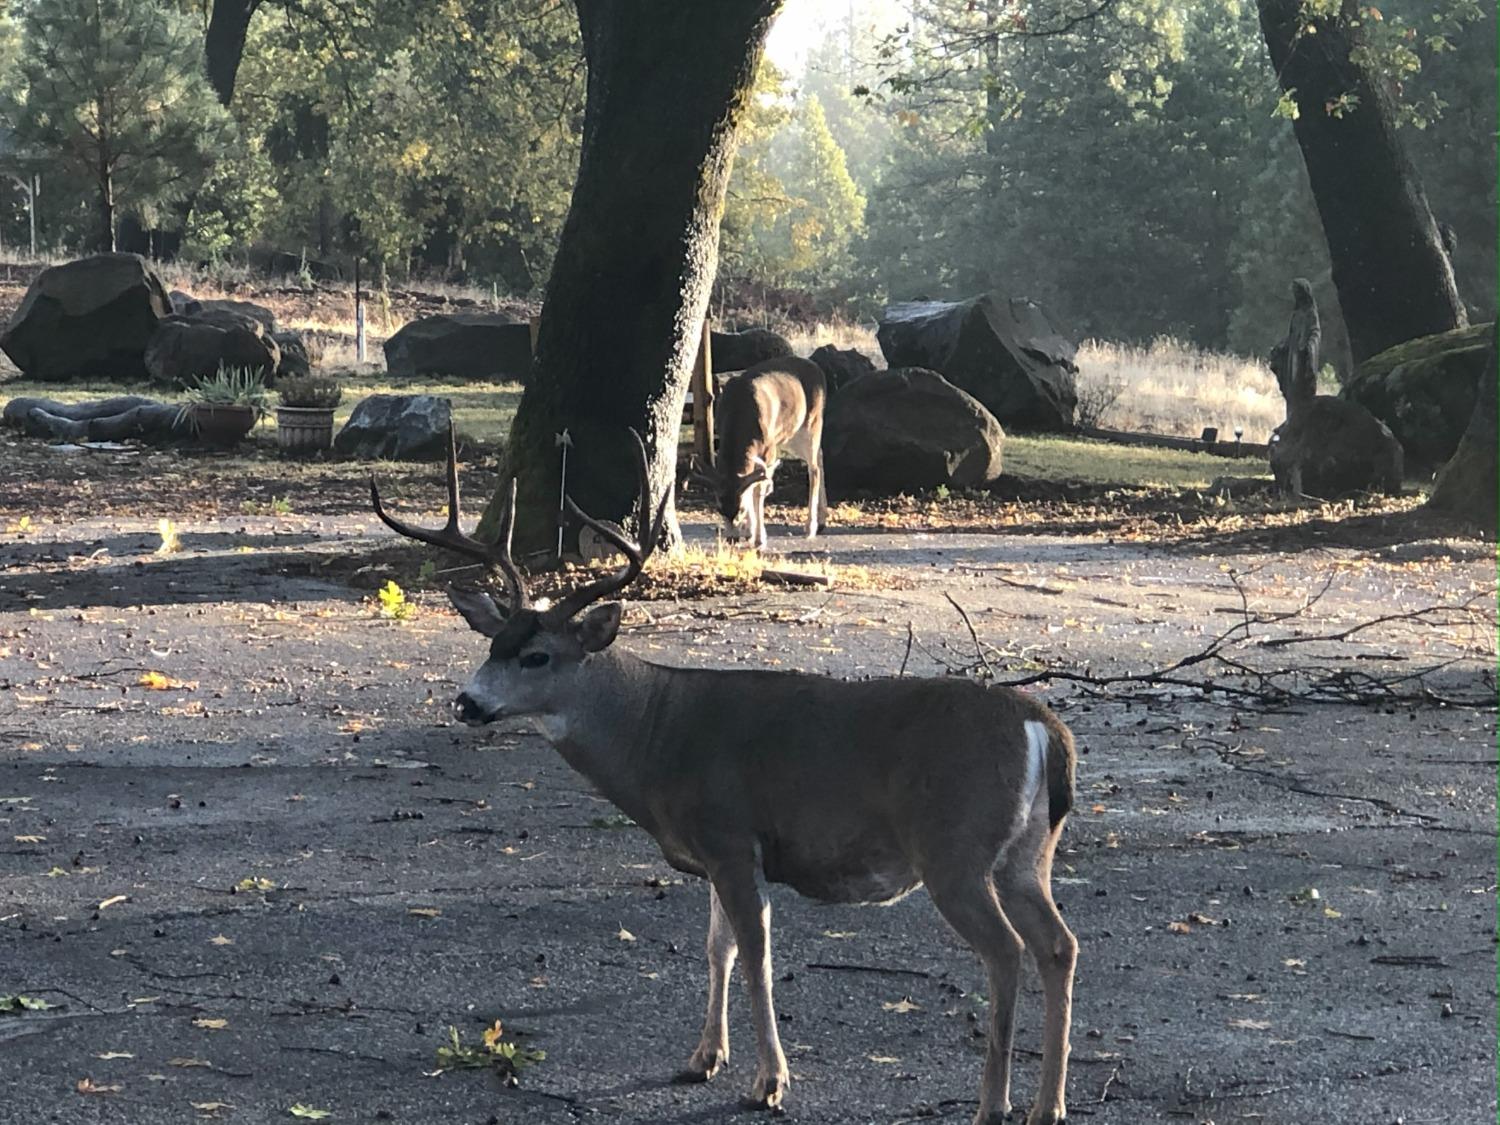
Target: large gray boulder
x=1424 y=390
x=191 y=306
x=735 y=351
x=1003 y=351
x=841 y=366
x=485 y=347
x=1331 y=447
x=89 y=319
x=397 y=427
x=296 y=360
x=185 y=350
x=908 y=430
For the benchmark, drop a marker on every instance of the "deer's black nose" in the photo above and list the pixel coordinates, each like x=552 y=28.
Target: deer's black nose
x=468 y=709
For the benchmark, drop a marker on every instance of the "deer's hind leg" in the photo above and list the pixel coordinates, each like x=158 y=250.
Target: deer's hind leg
x=1025 y=890
x=713 y=1046
x=965 y=897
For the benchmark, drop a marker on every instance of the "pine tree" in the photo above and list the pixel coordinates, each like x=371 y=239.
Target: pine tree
x=115 y=94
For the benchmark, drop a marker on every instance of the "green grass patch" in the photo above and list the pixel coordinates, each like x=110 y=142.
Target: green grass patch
x=1101 y=462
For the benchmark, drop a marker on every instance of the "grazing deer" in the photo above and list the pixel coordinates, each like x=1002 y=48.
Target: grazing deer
x=776 y=404
x=851 y=792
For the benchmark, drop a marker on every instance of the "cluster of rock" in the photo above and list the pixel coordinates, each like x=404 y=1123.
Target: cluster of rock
x=482 y=347
x=959 y=373
x=109 y=317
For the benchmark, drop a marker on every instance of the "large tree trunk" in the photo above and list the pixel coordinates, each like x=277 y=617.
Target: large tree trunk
x=667 y=83
x=1468 y=484
x=1394 y=281
x=224 y=44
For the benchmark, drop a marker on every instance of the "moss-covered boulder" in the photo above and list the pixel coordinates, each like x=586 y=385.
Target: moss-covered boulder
x=1424 y=390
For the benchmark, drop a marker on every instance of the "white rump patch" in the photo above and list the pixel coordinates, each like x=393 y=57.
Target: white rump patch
x=1032 y=781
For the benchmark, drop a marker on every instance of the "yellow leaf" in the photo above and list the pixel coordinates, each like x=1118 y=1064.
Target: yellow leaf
x=903 y=1005
x=492 y=1035
x=425 y=911
x=29 y=839
x=1330 y=912
x=113 y=900
x=300 y=1110
x=213 y=1024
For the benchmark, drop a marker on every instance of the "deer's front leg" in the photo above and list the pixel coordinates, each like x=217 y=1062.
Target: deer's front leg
x=713 y=1047
x=749 y=914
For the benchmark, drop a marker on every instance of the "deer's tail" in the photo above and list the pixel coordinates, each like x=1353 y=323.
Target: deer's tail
x=1061 y=762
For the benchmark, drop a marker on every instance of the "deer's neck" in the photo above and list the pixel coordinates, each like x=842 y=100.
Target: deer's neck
x=606 y=732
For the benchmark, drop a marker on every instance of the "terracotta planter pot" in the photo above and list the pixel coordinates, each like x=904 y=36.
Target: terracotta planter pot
x=222 y=425
x=304 y=429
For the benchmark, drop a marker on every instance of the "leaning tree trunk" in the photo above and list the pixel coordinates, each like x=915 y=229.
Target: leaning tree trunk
x=224 y=44
x=667 y=83
x=1468 y=484
x=1394 y=281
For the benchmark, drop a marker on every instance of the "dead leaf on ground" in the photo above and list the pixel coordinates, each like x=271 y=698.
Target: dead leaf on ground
x=625 y=935
x=211 y=1024
x=425 y=911
x=903 y=1005
x=211 y=1109
x=1250 y=1025
x=89 y=1086
x=113 y=900
x=220 y=939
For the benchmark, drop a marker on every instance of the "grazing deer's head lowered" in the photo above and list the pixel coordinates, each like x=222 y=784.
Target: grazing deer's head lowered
x=773 y=406
x=847 y=791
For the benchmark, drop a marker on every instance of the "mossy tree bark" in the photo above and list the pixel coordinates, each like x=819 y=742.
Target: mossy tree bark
x=1468 y=484
x=1394 y=280
x=667 y=82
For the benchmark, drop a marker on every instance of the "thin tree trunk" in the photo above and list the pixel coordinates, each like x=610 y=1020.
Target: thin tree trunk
x=224 y=44
x=106 y=208
x=667 y=84
x=1468 y=484
x=1394 y=281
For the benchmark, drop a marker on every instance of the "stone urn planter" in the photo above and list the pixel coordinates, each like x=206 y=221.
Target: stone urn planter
x=304 y=429
x=304 y=420
x=222 y=424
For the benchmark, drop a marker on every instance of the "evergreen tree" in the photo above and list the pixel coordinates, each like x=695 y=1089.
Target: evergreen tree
x=115 y=94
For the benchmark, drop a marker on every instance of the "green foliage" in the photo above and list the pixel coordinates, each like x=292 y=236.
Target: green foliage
x=115 y=95
x=232 y=386
x=492 y=1052
x=16 y=1005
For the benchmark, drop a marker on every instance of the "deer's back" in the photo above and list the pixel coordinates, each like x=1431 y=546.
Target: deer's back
x=787 y=391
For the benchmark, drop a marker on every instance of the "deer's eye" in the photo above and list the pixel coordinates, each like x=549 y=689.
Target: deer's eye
x=535 y=659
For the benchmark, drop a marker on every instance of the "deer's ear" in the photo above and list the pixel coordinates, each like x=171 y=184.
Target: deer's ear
x=596 y=630
x=478 y=610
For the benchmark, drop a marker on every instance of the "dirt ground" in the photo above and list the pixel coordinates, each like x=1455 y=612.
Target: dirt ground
x=250 y=863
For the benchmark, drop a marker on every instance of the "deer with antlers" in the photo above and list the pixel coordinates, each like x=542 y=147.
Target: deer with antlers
x=850 y=792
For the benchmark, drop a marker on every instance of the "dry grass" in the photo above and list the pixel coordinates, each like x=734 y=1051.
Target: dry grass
x=1174 y=388
x=808 y=338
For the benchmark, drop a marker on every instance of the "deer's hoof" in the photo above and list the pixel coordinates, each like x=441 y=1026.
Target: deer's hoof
x=769 y=1090
x=1049 y=1115
x=995 y=1116
x=705 y=1063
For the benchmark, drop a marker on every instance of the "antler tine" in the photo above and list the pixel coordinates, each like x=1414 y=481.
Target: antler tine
x=452 y=538
x=635 y=554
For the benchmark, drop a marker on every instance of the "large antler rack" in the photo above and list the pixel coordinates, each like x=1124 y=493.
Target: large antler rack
x=650 y=528
x=494 y=555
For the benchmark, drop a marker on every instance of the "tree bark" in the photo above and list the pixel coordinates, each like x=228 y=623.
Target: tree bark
x=1467 y=486
x=1394 y=281
x=224 y=44
x=106 y=208
x=667 y=84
